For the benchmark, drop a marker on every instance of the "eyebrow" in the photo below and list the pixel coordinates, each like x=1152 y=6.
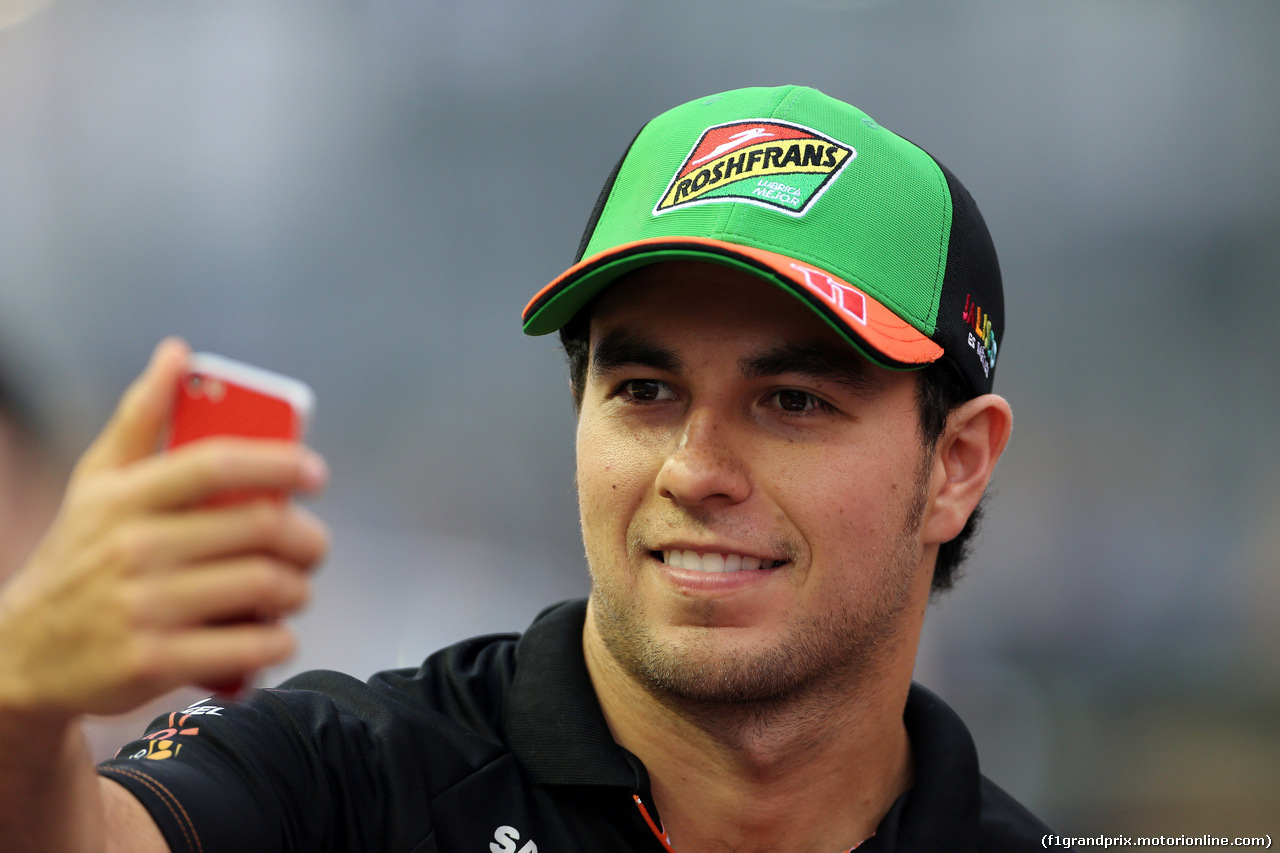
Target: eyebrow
x=842 y=365
x=621 y=348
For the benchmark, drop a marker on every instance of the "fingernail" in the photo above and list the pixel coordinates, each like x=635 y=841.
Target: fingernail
x=315 y=471
x=167 y=343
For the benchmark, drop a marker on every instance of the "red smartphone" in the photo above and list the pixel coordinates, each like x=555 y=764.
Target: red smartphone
x=220 y=396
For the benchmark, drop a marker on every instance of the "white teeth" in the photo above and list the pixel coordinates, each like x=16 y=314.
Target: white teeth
x=715 y=562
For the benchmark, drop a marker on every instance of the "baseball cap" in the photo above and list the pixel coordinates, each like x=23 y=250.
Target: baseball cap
x=868 y=230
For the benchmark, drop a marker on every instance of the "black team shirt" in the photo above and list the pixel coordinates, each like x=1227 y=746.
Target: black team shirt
x=496 y=744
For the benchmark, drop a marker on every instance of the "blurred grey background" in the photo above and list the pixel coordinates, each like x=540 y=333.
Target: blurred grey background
x=364 y=193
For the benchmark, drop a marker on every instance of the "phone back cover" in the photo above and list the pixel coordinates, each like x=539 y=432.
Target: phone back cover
x=237 y=411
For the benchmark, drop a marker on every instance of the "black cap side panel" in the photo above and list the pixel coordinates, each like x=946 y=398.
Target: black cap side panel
x=604 y=197
x=970 y=324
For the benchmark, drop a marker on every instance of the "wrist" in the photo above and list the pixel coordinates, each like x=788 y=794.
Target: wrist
x=27 y=730
x=24 y=718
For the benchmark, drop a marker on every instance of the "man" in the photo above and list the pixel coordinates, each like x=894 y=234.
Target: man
x=782 y=336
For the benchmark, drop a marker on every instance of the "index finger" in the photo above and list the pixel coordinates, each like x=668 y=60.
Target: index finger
x=137 y=425
x=199 y=471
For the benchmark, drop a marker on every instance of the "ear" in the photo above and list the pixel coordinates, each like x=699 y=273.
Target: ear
x=966 y=455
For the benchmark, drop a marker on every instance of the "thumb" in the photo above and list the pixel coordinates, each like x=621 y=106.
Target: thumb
x=136 y=426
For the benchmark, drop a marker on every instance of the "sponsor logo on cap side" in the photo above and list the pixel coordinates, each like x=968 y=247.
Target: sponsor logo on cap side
x=766 y=162
x=981 y=338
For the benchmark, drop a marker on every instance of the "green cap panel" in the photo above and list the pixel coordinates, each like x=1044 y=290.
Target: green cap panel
x=801 y=168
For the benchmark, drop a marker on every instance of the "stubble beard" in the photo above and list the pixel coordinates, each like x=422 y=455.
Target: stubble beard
x=828 y=653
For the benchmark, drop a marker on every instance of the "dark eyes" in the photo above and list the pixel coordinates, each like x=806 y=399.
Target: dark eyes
x=788 y=400
x=791 y=400
x=646 y=390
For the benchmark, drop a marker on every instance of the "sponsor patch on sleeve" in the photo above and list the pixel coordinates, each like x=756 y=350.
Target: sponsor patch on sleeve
x=759 y=161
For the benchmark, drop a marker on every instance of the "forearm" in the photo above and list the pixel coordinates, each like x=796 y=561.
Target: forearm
x=50 y=798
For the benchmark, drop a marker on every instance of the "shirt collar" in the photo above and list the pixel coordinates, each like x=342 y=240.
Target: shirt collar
x=941 y=809
x=557 y=731
x=552 y=719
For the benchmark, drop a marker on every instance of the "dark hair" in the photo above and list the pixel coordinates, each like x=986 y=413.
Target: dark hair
x=939 y=391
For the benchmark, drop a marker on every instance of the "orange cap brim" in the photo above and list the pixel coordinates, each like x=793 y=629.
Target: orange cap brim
x=868 y=324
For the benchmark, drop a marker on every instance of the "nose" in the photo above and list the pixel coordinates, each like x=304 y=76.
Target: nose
x=704 y=467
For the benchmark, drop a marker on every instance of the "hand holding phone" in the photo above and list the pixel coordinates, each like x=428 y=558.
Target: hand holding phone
x=219 y=396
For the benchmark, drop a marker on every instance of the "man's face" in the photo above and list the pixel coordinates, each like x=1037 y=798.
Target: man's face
x=724 y=426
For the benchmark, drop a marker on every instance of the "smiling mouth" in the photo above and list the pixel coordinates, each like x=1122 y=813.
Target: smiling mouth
x=714 y=562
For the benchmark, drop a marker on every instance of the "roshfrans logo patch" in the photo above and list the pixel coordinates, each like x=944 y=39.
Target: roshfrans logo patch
x=761 y=161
